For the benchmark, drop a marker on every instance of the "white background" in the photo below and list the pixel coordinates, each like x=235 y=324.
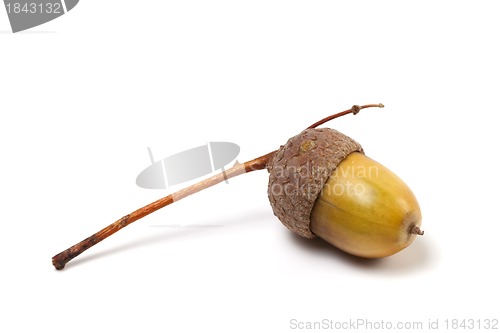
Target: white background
x=83 y=96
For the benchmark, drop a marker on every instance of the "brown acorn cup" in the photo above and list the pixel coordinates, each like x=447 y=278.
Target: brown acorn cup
x=294 y=211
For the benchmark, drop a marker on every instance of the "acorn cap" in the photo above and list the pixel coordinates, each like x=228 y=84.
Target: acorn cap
x=298 y=171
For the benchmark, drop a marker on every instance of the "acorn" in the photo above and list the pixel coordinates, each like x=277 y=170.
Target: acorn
x=320 y=184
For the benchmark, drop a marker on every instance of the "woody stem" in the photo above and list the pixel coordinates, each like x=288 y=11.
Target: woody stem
x=61 y=259
x=354 y=110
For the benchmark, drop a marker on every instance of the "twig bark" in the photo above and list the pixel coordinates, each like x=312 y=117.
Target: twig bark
x=61 y=259
x=354 y=110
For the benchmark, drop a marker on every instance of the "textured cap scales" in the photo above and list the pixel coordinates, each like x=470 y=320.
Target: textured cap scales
x=298 y=171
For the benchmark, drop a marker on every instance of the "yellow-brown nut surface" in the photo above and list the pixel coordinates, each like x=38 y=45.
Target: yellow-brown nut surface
x=365 y=209
x=298 y=171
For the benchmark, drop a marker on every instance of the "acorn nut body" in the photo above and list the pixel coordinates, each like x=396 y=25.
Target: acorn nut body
x=322 y=184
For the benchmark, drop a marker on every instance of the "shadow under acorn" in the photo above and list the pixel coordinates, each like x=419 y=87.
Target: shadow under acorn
x=419 y=256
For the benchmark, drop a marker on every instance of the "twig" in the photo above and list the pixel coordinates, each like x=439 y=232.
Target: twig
x=259 y=163
x=61 y=259
x=354 y=110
